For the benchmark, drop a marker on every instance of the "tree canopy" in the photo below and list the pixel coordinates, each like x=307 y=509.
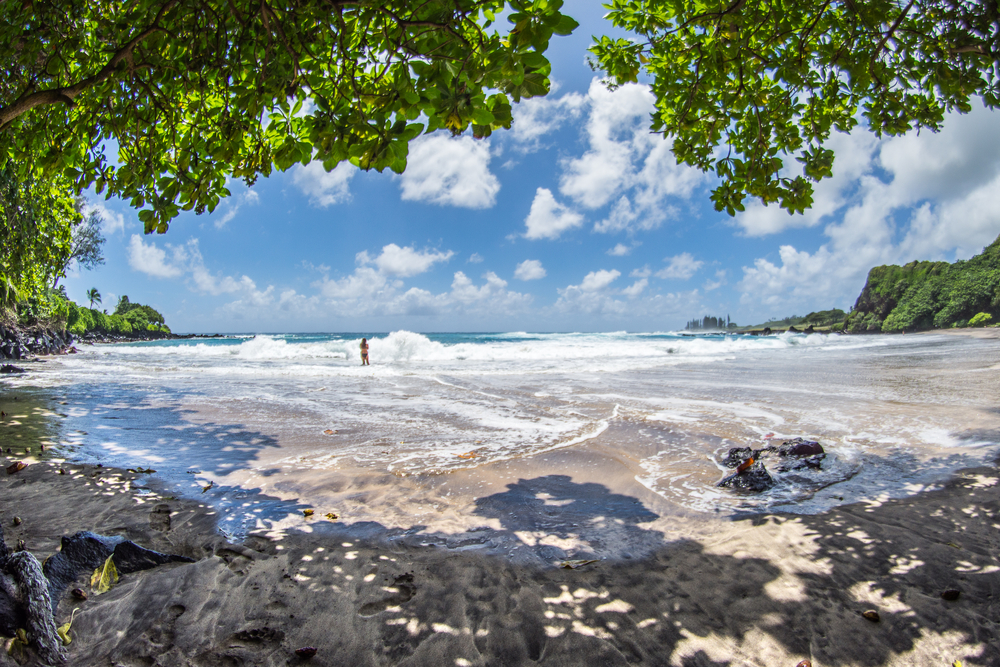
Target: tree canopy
x=186 y=93
x=743 y=85
x=37 y=218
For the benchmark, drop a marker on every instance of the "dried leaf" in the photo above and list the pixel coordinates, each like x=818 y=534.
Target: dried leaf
x=950 y=544
x=467 y=455
x=575 y=564
x=145 y=471
x=329 y=431
x=104 y=577
x=16 y=466
x=872 y=615
x=63 y=630
x=957 y=663
x=206 y=488
x=743 y=466
x=331 y=516
x=308 y=513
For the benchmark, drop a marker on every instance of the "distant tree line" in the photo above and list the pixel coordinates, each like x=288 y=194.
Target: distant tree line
x=709 y=322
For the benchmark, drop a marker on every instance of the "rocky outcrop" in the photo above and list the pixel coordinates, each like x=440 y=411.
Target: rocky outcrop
x=751 y=475
x=17 y=344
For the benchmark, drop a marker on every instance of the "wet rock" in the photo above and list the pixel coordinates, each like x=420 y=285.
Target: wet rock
x=754 y=478
x=11 y=368
x=79 y=593
x=306 y=652
x=951 y=594
x=800 y=447
x=737 y=455
x=871 y=615
x=17 y=521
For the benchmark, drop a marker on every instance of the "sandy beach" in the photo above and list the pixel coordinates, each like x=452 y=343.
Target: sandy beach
x=764 y=590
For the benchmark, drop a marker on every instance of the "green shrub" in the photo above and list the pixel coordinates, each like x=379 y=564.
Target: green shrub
x=981 y=320
x=118 y=324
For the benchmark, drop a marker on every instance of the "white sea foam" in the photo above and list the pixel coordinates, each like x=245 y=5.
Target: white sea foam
x=427 y=401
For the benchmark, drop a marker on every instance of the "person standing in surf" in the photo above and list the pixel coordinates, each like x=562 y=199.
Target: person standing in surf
x=364 y=352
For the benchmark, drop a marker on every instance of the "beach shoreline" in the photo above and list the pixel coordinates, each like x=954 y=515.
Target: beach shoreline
x=767 y=589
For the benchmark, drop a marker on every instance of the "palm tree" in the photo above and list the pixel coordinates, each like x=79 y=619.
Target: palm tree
x=94 y=296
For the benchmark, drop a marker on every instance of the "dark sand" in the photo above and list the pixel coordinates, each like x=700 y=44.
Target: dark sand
x=766 y=590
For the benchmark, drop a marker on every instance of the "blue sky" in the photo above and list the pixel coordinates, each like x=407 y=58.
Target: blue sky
x=577 y=219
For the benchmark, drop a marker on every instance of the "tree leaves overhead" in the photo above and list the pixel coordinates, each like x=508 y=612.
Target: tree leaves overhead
x=742 y=85
x=184 y=93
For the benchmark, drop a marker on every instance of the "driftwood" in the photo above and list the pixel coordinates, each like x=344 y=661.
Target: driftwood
x=30 y=592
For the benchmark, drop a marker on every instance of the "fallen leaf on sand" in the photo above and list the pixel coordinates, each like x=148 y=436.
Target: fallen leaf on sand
x=206 y=488
x=16 y=466
x=768 y=436
x=63 y=630
x=104 y=577
x=329 y=431
x=575 y=564
x=308 y=513
x=331 y=516
x=145 y=471
x=871 y=615
x=467 y=455
x=950 y=544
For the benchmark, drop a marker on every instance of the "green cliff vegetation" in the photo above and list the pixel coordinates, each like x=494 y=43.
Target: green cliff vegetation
x=53 y=310
x=930 y=295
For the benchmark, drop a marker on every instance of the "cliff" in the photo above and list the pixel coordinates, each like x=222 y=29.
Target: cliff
x=928 y=295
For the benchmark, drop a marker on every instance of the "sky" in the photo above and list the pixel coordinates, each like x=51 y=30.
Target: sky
x=576 y=219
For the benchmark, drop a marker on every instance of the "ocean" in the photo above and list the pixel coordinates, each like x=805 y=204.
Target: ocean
x=264 y=426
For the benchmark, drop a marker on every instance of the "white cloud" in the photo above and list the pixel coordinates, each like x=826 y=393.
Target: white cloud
x=404 y=262
x=493 y=294
x=720 y=280
x=598 y=280
x=627 y=164
x=636 y=288
x=325 y=188
x=681 y=266
x=529 y=269
x=365 y=282
x=112 y=221
x=620 y=250
x=452 y=171
x=547 y=218
x=644 y=272
x=475 y=258
x=248 y=198
x=151 y=260
x=948 y=181
x=538 y=116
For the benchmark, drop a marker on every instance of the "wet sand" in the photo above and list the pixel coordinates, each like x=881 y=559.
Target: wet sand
x=769 y=589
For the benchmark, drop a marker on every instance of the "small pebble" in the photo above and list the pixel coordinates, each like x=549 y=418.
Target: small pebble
x=20 y=545
x=872 y=616
x=61 y=471
x=951 y=594
x=804 y=663
x=306 y=651
x=79 y=593
x=17 y=521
